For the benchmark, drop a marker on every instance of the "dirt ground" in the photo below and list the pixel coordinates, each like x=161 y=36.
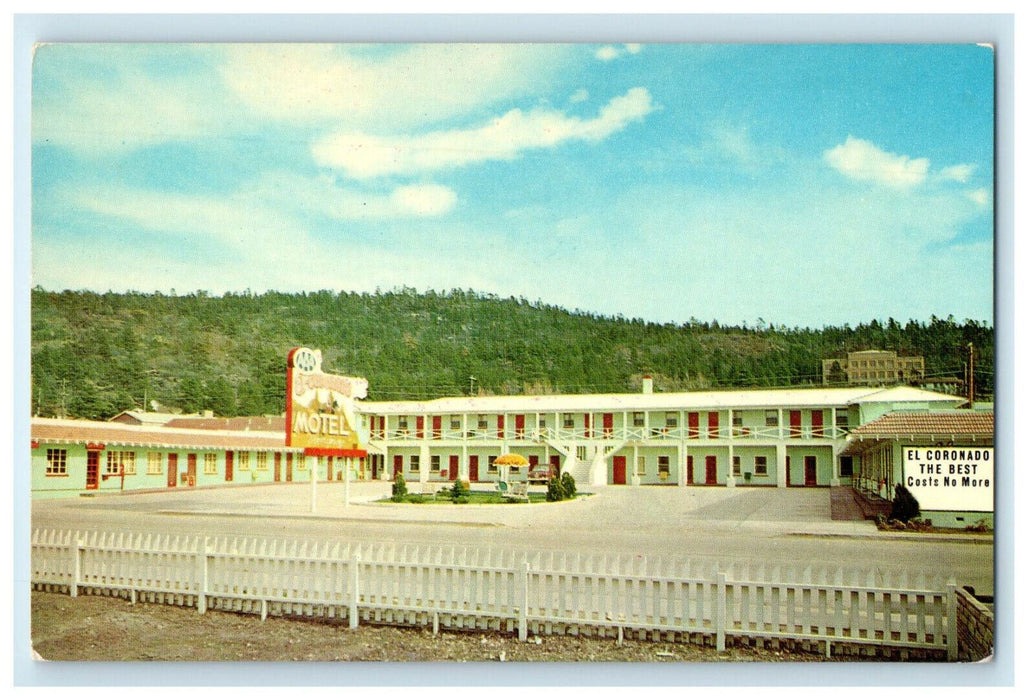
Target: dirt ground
x=95 y=628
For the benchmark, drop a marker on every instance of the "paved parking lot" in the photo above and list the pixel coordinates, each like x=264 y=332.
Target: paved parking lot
x=747 y=525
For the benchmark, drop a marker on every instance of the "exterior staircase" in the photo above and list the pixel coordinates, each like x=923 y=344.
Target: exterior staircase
x=581 y=472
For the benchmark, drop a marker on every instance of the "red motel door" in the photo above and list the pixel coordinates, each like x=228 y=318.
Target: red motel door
x=192 y=469
x=288 y=467
x=609 y=424
x=619 y=471
x=810 y=471
x=93 y=468
x=229 y=466
x=436 y=427
x=690 y=469
x=454 y=467
x=713 y=424
x=788 y=468
x=817 y=424
x=710 y=470
x=555 y=466
x=500 y=425
x=472 y=467
x=397 y=465
x=795 y=424
x=276 y=466
x=173 y=471
x=420 y=427
x=519 y=426
x=693 y=421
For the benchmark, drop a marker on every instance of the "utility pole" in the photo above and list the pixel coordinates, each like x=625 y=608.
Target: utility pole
x=970 y=376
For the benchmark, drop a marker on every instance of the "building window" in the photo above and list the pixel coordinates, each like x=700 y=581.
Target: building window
x=663 y=467
x=638 y=419
x=262 y=461
x=493 y=469
x=772 y=419
x=671 y=420
x=761 y=465
x=210 y=463
x=483 y=422
x=841 y=417
x=736 y=465
x=846 y=466
x=568 y=420
x=436 y=463
x=580 y=452
x=154 y=462
x=641 y=465
x=415 y=464
x=404 y=424
x=121 y=463
x=454 y=422
x=244 y=461
x=57 y=462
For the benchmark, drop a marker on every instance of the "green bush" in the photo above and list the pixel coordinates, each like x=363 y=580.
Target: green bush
x=399 y=489
x=554 y=491
x=461 y=489
x=904 y=507
x=414 y=498
x=568 y=486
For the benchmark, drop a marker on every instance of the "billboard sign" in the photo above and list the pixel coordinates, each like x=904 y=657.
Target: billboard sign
x=950 y=478
x=321 y=414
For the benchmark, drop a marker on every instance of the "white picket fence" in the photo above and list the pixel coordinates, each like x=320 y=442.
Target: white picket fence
x=537 y=592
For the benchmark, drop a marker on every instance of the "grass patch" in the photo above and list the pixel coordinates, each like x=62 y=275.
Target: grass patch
x=476 y=498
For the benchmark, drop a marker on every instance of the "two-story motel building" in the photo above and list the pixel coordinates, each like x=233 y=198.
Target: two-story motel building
x=781 y=438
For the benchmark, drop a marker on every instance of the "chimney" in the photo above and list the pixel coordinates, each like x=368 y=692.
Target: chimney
x=648 y=384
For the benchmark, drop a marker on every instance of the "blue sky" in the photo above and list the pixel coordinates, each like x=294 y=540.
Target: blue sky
x=802 y=184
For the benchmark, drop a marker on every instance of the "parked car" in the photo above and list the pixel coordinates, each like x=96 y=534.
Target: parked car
x=539 y=474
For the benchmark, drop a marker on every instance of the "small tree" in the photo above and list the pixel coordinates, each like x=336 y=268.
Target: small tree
x=568 y=485
x=461 y=490
x=399 y=489
x=554 y=490
x=904 y=507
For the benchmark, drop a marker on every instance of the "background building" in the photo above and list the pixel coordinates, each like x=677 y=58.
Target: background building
x=873 y=368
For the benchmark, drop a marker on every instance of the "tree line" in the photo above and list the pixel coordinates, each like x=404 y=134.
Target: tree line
x=94 y=355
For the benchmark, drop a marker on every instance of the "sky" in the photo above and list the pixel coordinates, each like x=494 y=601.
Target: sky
x=804 y=185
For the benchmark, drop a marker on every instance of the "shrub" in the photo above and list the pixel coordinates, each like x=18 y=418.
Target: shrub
x=399 y=489
x=904 y=507
x=568 y=485
x=554 y=491
x=414 y=498
x=461 y=489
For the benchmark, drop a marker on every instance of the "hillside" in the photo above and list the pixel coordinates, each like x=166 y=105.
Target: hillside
x=94 y=355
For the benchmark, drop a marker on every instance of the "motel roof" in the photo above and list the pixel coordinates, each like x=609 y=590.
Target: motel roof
x=762 y=398
x=63 y=431
x=934 y=424
x=268 y=424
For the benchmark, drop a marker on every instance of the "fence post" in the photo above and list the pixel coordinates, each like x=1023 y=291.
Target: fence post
x=951 y=612
x=354 y=591
x=523 y=570
x=77 y=565
x=720 y=611
x=202 y=575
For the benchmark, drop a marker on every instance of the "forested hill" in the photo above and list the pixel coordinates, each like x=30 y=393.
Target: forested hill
x=94 y=355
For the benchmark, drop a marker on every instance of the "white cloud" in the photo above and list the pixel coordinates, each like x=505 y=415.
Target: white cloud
x=979 y=196
x=580 y=95
x=424 y=200
x=361 y=155
x=400 y=86
x=957 y=173
x=861 y=160
x=610 y=53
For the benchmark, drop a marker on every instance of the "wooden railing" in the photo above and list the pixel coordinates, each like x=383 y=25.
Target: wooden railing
x=508 y=590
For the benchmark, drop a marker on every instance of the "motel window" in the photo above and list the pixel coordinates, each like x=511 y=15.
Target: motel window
x=568 y=420
x=542 y=425
x=493 y=469
x=121 y=463
x=436 y=463
x=738 y=419
x=846 y=466
x=671 y=420
x=841 y=417
x=154 y=462
x=638 y=419
x=415 y=463
x=736 y=465
x=663 y=467
x=262 y=461
x=641 y=465
x=772 y=419
x=210 y=463
x=404 y=423
x=483 y=422
x=580 y=452
x=244 y=461
x=57 y=462
x=761 y=465
x=454 y=422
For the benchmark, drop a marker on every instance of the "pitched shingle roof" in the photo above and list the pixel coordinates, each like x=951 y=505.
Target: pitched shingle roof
x=981 y=423
x=79 y=431
x=259 y=423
